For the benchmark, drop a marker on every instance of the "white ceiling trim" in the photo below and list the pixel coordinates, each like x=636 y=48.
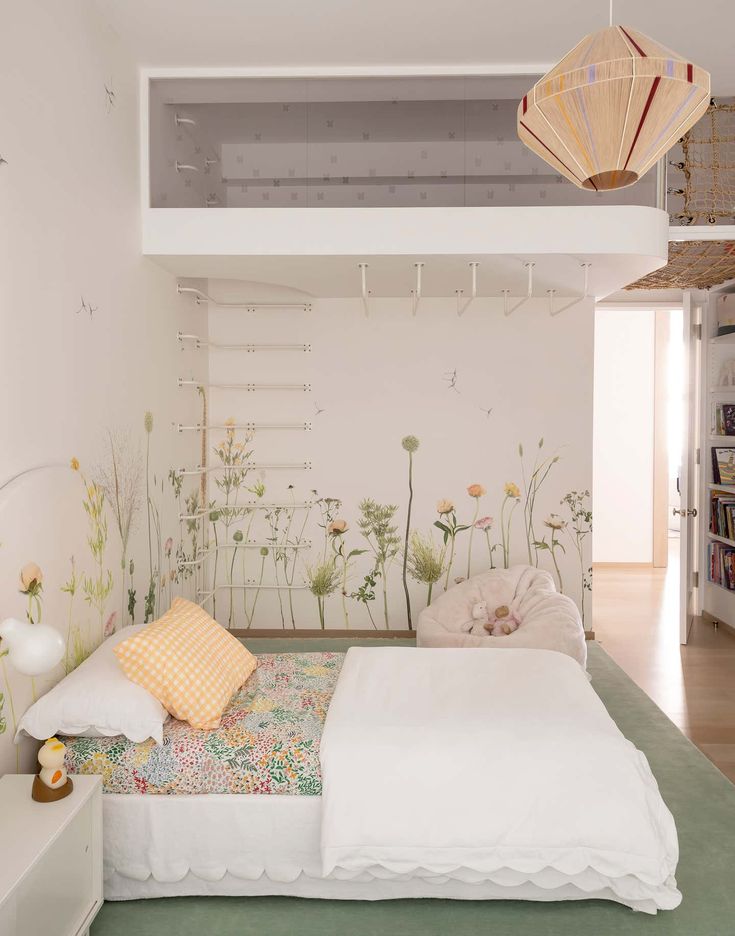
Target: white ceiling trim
x=483 y=70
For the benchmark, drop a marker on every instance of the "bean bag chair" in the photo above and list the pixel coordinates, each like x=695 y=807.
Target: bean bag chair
x=548 y=620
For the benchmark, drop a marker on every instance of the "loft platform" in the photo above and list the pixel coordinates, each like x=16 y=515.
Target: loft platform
x=318 y=252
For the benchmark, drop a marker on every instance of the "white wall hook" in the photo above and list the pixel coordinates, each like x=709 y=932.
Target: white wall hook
x=180 y=167
x=416 y=293
x=365 y=291
x=179 y=120
x=529 y=265
x=473 y=265
x=585 y=292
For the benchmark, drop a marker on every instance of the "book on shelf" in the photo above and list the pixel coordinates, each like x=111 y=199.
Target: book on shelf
x=723 y=465
x=722 y=565
x=722 y=514
x=723 y=422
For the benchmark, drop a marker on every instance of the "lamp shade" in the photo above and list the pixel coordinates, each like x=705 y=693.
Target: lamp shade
x=33 y=649
x=611 y=108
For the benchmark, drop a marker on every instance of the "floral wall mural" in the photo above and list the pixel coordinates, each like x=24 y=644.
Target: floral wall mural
x=330 y=516
x=358 y=561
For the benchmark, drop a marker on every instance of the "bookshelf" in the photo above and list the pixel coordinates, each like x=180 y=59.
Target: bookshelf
x=717 y=599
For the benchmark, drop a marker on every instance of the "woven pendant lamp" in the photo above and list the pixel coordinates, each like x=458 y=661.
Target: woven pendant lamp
x=611 y=108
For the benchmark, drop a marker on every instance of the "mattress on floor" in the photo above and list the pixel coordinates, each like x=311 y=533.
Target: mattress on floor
x=267 y=741
x=251 y=846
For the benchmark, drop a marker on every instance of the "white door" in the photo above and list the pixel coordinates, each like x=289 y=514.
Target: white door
x=689 y=475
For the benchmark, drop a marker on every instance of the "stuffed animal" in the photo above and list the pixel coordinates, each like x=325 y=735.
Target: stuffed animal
x=51 y=782
x=502 y=622
x=480 y=617
x=51 y=759
x=498 y=623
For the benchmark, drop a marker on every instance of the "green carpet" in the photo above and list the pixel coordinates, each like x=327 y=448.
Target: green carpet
x=700 y=797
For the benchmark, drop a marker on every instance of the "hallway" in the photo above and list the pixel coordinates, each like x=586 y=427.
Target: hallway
x=636 y=621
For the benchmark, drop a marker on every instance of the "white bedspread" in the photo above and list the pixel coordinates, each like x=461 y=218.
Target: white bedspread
x=489 y=765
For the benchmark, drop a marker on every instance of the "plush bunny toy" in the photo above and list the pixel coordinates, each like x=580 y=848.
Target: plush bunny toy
x=480 y=618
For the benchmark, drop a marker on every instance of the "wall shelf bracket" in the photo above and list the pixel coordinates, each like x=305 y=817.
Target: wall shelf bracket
x=416 y=293
x=461 y=309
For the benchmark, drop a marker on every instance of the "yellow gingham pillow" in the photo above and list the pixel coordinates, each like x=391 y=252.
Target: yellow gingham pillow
x=191 y=664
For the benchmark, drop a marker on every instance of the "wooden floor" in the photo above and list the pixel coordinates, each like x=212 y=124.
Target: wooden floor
x=636 y=620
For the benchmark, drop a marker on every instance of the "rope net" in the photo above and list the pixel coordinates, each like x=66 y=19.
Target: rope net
x=704 y=177
x=693 y=265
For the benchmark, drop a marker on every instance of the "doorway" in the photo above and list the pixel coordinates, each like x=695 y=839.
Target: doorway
x=639 y=405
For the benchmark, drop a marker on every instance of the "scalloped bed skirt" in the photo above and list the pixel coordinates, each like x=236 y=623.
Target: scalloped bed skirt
x=256 y=845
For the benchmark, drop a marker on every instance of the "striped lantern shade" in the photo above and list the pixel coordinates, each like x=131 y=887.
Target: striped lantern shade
x=611 y=108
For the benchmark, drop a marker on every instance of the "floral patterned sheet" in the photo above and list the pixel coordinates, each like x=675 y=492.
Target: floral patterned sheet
x=267 y=741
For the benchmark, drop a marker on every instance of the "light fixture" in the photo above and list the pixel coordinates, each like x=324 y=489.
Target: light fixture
x=33 y=649
x=611 y=108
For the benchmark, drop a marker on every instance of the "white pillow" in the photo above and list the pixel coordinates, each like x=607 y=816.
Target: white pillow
x=97 y=700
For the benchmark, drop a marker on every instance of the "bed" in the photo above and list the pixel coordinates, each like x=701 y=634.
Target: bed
x=391 y=772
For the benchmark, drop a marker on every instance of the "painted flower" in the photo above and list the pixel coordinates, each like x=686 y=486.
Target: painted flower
x=484 y=523
x=476 y=490
x=148 y=422
x=110 y=625
x=168 y=546
x=512 y=490
x=238 y=536
x=555 y=522
x=444 y=507
x=337 y=527
x=31 y=578
x=410 y=443
x=74 y=464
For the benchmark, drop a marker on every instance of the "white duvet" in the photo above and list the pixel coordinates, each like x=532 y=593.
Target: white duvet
x=483 y=765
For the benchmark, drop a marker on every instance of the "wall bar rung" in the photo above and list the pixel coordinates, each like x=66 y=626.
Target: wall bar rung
x=204 y=554
x=250 y=505
x=247 y=466
x=252 y=545
x=255 y=585
x=202 y=297
x=220 y=346
x=250 y=387
x=249 y=427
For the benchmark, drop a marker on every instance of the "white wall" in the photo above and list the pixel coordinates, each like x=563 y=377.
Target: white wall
x=623 y=435
x=70 y=230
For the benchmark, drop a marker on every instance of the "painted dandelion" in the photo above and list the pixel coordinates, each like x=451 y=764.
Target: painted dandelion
x=425 y=561
x=409 y=444
x=323 y=579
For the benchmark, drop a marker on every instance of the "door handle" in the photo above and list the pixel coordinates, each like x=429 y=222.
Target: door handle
x=686 y=512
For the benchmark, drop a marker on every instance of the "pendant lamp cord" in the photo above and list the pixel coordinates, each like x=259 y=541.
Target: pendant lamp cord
x=611 y=12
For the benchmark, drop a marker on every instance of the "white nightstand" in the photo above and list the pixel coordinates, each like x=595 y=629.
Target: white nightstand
x=50 y=859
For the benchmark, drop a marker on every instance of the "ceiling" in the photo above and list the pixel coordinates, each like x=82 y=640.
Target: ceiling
x=526 y=35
